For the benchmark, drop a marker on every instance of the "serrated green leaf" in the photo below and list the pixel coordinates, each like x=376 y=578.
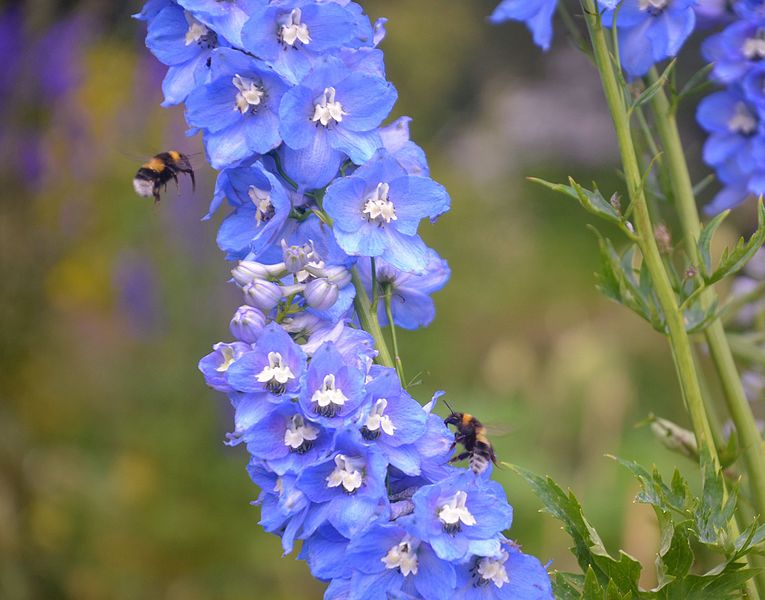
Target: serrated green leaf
x=676 y=561
x=592 y=589
x=568 y=586
x=715 y=510
x=591 y=200
x=717 y=586
x=733 y=260
x=588 y=547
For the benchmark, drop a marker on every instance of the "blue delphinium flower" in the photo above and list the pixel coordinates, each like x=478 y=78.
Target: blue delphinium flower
x=274 y=367
x=536 y=14
x=735 y=147
x=335 y=110
x=392 y=420
x=332 y=390
x=649 y=30
x=262 y=206
x=507 y=575
x=735 y=50
x=733 y=117
x=387 y=560
x=238 y=109
x=292 y=36
x=411 y=304
x=377 y=210
x=349 y=487
x=185 y=45
x=462 y=515
x=226 y=18
x=287 y=442
x=215 y=365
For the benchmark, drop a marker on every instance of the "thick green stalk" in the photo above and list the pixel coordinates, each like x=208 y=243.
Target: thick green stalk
x=369 y=322
x=678 y=337
x=682 y=351
x=749 y=438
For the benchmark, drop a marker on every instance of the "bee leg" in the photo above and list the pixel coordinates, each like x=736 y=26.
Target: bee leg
x=459 y=457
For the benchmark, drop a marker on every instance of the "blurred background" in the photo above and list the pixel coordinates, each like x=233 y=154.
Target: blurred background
x=114 y=480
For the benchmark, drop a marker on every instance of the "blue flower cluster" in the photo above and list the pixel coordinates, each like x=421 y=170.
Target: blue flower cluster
x=733 y=117
x=290 y=96
x=649 y=31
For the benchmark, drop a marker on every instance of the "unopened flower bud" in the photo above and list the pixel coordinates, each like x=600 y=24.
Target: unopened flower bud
x=321 y=294
x=297 y=257
x=247 y=271
x=262 y=294
x=338 y=275
x=247 y=324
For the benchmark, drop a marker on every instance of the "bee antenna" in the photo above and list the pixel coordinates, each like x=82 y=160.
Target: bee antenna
x=449 y=407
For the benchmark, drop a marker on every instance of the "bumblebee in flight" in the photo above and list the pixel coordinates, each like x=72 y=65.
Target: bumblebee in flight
x=471 y=433
x=157 y=172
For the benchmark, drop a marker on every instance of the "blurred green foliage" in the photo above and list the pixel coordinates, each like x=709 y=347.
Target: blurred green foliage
x=114 y=481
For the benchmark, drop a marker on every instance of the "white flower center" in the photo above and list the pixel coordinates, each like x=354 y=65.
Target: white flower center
x=377 y=420
x=493 y=569
x=653 y=6
x=328 y=399
x=264 y=209
x=276 y=372
x=198 y=33
x=378 y=208
x=402 y=556
x=327 y=110
x=298 y=435
x=346 y=473
x=754 y=47
x=249 y=96
x=454 y=513
x=227 y=353
x=293 y=30
x=742 y=121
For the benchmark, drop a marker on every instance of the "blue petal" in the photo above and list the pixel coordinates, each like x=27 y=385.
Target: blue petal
x=408 y=253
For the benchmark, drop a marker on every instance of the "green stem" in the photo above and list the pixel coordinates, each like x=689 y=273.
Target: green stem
x=389 y=313
x=682 y=351
x=369 y=322
x=750 y=441
x=678 y=337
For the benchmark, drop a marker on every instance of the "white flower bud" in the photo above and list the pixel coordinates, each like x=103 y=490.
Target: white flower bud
x=247 y=324
x=297 y=257
x=321 y=294
x=262 y=294
x=338 y=275
x=247 y=271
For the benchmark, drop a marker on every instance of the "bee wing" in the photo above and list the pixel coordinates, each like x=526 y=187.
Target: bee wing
x=495 y=431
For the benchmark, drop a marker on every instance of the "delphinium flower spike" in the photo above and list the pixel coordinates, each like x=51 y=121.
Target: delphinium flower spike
x=290 y=99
